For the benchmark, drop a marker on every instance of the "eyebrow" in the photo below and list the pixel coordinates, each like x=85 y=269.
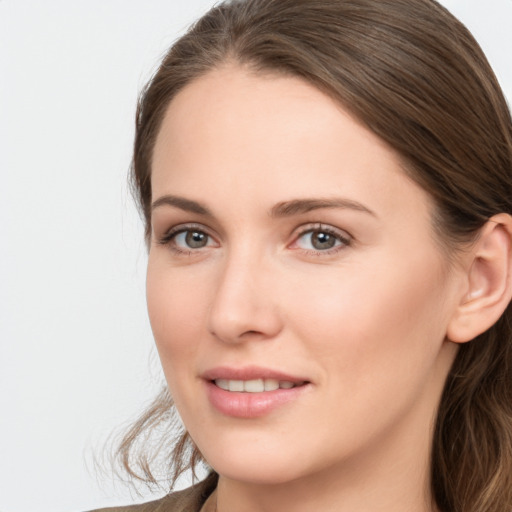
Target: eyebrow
x=299 y=206
x=183 y=204
x=282 y=209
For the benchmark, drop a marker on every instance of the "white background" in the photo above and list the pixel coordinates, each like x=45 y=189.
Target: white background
x=76 y=356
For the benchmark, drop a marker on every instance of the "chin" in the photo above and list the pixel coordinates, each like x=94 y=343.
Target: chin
x=258 y=461
x=257 y=473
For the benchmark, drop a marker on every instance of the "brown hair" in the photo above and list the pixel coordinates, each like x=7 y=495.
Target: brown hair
x=416 y=77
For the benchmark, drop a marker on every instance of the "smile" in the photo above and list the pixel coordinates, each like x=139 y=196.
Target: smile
x=252 y=391
x=254 y=385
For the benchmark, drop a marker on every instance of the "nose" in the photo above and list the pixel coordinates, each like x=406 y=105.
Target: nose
x=244 y=306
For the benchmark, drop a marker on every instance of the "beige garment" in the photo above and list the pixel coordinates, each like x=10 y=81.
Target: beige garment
x=198 y=498
x=210 y=504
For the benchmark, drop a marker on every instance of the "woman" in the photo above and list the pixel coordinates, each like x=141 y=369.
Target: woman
x=327 y=191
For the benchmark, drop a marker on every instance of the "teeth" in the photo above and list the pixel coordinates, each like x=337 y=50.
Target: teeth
x=223 y=384
x=253 y=386
x=236 y=385
x=271 y=384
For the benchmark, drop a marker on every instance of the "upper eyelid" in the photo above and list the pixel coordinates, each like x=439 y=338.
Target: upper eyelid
x=175 y=230
x=187 y=226
x=319 y=226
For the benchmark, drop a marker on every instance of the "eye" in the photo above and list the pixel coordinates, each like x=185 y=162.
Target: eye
x=182 y=239
x=322 y=239
x=191 y=239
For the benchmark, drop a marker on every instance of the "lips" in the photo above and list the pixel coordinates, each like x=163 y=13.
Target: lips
x=251 y=392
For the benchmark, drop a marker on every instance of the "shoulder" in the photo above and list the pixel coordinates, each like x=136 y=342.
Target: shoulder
x=187 y=500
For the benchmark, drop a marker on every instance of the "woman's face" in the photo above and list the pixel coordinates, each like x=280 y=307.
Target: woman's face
x=289 y=248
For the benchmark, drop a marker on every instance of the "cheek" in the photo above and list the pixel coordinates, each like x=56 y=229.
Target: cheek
x=374 y=335
x=369 y=318
x=176 y=313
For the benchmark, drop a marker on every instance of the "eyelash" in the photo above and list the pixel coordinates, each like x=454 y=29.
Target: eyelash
x=344 y=239
x=170 y=236
x=340 y=236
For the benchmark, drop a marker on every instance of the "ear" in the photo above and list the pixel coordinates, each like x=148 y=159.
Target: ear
x=488 y=289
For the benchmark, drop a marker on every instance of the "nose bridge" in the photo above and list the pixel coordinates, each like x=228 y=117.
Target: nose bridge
x=243 y=306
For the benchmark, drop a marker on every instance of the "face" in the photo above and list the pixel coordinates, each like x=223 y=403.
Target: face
x=297 y=295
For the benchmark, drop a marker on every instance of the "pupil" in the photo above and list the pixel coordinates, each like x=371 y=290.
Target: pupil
x=323 y=241
x=196 y=239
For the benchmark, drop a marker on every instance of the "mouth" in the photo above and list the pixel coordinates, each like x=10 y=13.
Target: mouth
x=252 y=392
x=255 y=385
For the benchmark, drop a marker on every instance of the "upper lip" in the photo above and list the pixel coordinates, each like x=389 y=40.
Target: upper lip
x=249 y=373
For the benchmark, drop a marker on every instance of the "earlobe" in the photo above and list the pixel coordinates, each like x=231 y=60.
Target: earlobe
x=489 y=281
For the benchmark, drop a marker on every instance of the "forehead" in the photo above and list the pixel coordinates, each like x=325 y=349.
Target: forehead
x=234 y=103
x=273 y=138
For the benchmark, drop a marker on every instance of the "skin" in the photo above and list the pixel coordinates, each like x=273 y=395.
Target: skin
x=365 y=322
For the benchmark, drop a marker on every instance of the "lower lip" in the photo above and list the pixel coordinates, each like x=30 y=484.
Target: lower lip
x=251 y=405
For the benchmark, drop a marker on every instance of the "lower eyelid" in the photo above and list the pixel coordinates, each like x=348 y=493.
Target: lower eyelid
x=340 y=245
